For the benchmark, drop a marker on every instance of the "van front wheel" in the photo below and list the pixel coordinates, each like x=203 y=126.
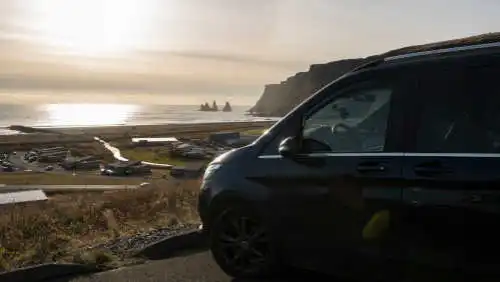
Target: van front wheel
x=241 y=244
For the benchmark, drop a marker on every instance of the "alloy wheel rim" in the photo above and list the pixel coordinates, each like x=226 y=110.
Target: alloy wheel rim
x=243 y=242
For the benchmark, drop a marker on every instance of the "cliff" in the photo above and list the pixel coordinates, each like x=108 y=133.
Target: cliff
x=280 y=98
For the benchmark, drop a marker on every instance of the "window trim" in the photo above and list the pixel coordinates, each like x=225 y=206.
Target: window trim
x=392 y=154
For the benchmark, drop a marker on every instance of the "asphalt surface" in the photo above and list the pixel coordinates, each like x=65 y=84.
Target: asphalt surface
x=18 y=161
x=194 y=267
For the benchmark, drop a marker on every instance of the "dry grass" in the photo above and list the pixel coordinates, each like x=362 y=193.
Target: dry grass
x=26 y=178
x=152 y=154
x=59 y=229
x=255 y=131
x=93 y=148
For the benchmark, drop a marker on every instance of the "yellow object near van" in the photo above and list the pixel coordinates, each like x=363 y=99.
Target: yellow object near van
x=376 y=226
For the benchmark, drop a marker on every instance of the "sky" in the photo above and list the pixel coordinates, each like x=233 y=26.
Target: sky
x=190 y=51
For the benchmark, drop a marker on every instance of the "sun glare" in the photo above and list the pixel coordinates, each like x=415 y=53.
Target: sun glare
x=89 y=114
x=93 y=27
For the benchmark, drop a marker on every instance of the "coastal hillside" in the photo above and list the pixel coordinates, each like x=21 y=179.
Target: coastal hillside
x=280 y=98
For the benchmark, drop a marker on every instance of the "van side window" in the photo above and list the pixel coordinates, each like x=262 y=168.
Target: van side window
x=353 y=122
x=461 y=114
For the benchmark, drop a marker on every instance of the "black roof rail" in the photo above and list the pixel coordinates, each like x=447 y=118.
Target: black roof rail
x=371 y=63
x=443 y=51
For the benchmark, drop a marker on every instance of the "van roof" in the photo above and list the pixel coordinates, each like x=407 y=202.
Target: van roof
x=412 y=56
x=449 y=50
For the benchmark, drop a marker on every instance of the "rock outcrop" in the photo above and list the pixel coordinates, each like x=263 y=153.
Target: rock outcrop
x=278 y=99
x=206 y=108
x=227 y=107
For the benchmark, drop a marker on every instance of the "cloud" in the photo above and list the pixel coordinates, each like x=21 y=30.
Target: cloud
x=125 y=83
x=24 y=65
x=237 y=58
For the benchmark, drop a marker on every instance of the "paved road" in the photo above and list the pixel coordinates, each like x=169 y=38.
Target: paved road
x=195 y=267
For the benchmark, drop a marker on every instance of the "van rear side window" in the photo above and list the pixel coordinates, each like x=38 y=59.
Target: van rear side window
x=461 y=113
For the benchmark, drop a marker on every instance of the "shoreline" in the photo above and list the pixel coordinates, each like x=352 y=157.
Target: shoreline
x=37 y=135
x=114 y=126
x=263 y=119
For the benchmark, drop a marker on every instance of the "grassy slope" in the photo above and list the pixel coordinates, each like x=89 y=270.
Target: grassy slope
x=254 y=131
x=70 y=222
x=63 y=178
x=156 y=155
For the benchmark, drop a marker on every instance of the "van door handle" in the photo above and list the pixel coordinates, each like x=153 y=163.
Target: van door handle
x=431 y=169
x=376 y=167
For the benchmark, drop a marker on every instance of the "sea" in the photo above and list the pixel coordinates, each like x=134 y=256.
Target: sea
x=93 y=115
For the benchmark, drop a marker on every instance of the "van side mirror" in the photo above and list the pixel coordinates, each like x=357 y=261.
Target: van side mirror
x=289 y=147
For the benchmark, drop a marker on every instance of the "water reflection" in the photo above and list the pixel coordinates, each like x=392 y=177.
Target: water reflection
x=89 y=114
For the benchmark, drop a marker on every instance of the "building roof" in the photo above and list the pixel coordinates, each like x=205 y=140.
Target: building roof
x=155 y=139
x=80 y=159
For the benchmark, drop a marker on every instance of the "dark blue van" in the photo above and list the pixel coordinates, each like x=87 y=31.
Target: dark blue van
x=390 y=172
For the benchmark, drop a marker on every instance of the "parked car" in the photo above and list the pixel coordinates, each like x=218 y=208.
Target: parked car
x=392 y=167
x=108 y=172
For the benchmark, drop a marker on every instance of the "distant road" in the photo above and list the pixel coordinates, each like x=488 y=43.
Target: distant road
x=194 y=267
x=63 y=188
x=117 y=154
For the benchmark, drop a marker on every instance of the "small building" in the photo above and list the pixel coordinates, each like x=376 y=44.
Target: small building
x=189 y=151
x=48 y=150
x=153 y=141
x=55 y=153
x=88 y=162
x=51 y=157
x=190 y=172
x=183 y=147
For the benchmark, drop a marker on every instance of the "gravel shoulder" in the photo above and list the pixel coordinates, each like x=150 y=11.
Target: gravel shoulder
x=194 y=267
x=131 y=244
x=197 y=266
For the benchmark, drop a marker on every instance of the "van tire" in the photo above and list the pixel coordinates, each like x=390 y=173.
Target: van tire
x=238 y=235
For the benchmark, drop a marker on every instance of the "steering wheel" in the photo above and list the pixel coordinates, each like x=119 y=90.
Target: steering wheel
x=341 y=125
x=346 y=137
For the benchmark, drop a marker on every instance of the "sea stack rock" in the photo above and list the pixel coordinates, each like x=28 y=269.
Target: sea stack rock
x=227 y=107
x=205 y=107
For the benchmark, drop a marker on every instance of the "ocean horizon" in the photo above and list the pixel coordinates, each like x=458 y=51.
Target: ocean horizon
x=95 y=115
